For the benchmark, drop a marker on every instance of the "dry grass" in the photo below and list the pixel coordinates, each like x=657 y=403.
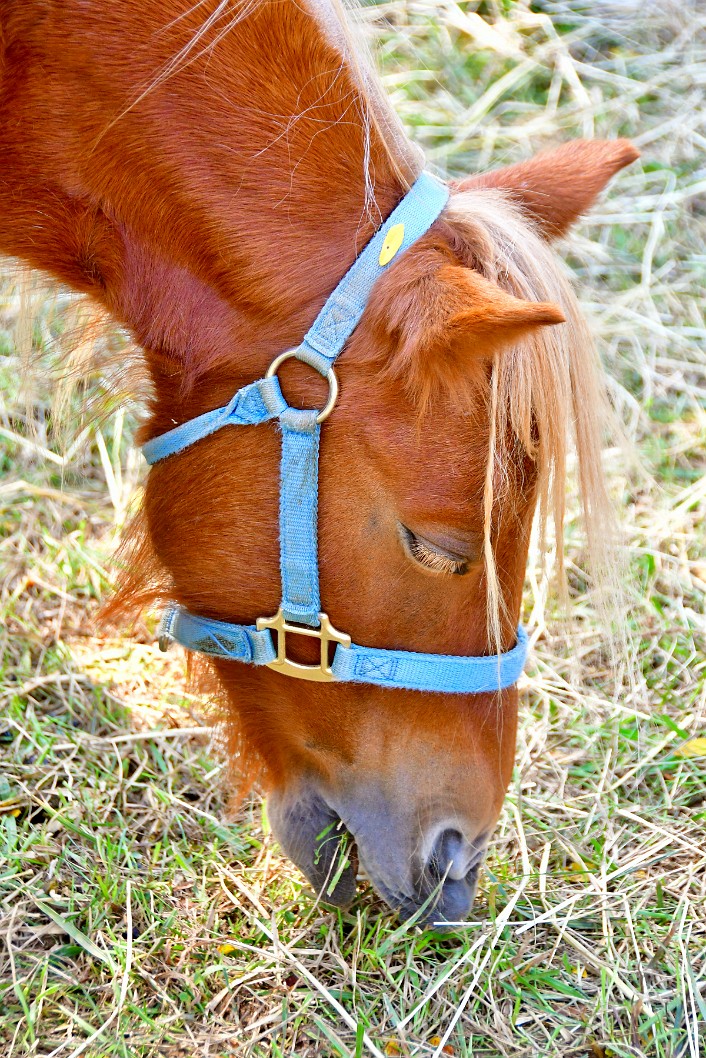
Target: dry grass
x=138 y=917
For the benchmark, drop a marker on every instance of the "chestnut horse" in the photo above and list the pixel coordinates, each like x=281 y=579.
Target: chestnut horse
x=208 y=172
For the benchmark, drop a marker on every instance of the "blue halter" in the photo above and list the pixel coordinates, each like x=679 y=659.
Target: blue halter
x=300 y=610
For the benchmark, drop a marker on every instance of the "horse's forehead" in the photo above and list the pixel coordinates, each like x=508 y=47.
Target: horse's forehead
x=433 y=466
x=447 y=433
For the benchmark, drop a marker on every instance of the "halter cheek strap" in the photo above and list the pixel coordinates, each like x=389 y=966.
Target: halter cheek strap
x=265 y=642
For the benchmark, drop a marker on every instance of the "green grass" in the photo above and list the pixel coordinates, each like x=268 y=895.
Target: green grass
x=142 y=910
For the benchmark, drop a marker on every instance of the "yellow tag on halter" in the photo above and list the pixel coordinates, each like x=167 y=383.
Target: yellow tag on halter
x=392 y=243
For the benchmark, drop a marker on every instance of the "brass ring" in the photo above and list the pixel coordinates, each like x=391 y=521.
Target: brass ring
x=330 y=378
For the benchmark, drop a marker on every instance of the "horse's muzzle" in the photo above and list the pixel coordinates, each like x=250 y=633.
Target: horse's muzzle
x=424 y=869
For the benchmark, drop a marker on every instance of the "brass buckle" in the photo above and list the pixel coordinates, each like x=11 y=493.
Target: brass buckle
x=326 y=633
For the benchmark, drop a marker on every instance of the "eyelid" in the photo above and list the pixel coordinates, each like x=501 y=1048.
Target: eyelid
x=431 y=556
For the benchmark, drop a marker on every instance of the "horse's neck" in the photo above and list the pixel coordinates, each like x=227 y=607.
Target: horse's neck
x=220 y=193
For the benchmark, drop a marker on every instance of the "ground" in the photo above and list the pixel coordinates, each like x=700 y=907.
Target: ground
x=142 y=915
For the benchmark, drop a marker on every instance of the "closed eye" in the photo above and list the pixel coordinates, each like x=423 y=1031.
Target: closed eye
x=432 y=557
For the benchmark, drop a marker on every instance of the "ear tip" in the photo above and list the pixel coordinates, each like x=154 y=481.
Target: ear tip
x=623 y=152
x=546 y=312
x=612 y=153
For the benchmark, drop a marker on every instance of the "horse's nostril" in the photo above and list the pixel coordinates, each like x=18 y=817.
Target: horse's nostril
x=452 y=857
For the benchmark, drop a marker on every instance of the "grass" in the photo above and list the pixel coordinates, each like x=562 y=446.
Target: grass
x=142 y=913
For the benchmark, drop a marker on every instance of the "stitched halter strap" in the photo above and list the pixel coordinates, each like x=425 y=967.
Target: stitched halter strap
x=300 y=612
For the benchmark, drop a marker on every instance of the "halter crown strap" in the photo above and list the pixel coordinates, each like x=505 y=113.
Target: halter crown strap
x=300 y=610
x=344 y=308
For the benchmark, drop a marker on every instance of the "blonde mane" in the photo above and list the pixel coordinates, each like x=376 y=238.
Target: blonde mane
x=547 y=389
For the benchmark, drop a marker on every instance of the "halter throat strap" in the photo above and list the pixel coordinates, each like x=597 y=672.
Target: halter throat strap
x=265 y=643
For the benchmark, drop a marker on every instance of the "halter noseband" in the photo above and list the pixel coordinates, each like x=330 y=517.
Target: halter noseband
x=300 y=609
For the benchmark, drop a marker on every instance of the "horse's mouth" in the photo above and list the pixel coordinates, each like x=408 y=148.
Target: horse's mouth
x=314 y=838
x=337 y=867
x=331 y=856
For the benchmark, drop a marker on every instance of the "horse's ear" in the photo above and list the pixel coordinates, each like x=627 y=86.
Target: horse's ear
x=557 y=186
x=438 y=322
x=483 y=317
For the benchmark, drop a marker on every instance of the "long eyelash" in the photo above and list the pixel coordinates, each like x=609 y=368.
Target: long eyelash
x=433 y=560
